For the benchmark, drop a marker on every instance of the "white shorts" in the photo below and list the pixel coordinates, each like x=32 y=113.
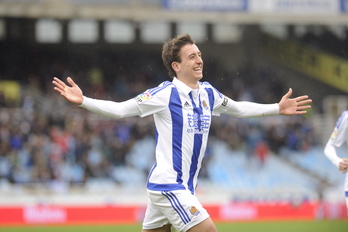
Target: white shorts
x=179 y=208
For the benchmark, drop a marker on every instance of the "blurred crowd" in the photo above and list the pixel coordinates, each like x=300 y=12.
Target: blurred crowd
x=44 y=139
x=332 y=40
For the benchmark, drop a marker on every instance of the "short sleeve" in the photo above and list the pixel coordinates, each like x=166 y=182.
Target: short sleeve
x=340 y=134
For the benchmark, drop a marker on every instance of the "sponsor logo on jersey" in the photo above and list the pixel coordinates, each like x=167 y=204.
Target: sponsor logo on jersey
x=143 y=97
x=198 y=123
x=224 y=103
x=187 y=104
x=194 y=211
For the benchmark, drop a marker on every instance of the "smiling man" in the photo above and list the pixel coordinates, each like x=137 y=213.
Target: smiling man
x=187 y=65
x=182 y=111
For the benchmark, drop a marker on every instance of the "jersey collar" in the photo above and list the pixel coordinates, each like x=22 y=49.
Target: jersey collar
x=182 y=86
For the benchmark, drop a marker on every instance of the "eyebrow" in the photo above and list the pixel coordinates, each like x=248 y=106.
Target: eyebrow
x=194 y=53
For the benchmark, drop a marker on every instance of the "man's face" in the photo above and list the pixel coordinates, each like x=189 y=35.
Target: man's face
x=191 y=66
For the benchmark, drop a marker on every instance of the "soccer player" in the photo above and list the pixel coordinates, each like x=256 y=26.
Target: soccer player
x=339 y=137
x=182 y=111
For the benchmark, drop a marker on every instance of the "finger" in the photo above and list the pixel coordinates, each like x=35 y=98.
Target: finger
x=301 y=98
x=303 y=107
x=343 y=167
x=59 y=90
x=304 y=102
x=71 y=82
x=288 y=94
x=57 y=85
x=301 y=112
x=59 y=81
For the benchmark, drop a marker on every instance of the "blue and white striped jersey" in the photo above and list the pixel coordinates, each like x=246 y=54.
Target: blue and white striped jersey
x=182 y=117
x=340 y=134
x=338 y=137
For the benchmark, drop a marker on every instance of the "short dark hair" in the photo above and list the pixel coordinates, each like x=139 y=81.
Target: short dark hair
x=171 y=50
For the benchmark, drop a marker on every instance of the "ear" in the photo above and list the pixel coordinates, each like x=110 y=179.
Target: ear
x=175 y=66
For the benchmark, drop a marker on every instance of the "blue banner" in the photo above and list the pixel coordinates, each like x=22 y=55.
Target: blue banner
x=295 y=6
x=205 y=5
x=344 y=6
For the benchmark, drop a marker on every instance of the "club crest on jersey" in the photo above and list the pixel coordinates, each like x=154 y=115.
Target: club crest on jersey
x=143 y=97
x=205 y=105
x=194 y=211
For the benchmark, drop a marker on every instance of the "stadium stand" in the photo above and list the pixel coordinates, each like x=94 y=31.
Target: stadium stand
x=50 y=148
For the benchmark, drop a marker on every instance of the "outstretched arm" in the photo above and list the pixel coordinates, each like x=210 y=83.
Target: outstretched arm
x=294 y=106
x=71 y=93
x=286 y=106
x=110 y=109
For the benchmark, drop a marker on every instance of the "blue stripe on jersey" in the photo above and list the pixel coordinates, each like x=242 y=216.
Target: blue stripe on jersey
x=175 y=107
x=339 y=121
x=153 y=168
x=346 y=194
x=217 y=91
x=153 y=91
x=197 y=143
x=156 y=136
x=177 y=206
x=211 y=98
x=220 y=94
x=155 y=164
x=164 y=187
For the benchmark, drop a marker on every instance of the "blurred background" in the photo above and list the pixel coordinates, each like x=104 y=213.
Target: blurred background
x=57 y=155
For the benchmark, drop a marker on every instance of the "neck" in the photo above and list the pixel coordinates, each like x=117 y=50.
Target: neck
x=193 y=84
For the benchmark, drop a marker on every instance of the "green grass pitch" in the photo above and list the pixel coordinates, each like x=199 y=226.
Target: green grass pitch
x=280 y=226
